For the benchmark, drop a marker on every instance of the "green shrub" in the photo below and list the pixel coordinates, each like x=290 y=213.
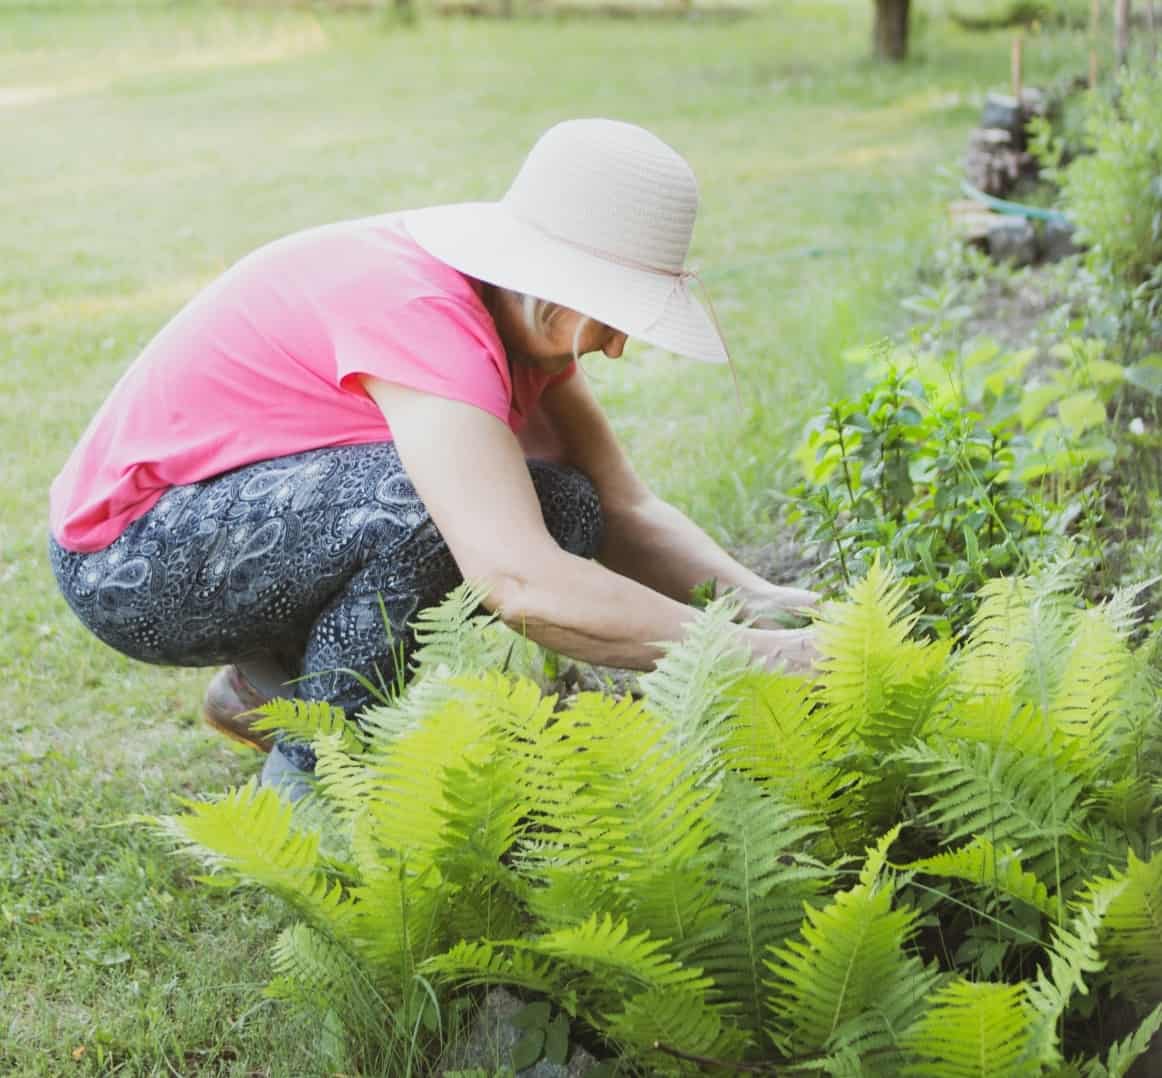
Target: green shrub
x=676 y=876
x=1114 y=193
x=958 y=468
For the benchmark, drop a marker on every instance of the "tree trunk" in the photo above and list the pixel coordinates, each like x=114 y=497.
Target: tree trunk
x=891 y=29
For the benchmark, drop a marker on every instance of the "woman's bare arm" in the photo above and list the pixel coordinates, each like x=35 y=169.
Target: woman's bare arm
x=469 y=470
x=646 y=538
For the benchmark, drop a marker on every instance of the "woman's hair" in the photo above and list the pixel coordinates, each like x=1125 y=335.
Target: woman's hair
x=539 y=315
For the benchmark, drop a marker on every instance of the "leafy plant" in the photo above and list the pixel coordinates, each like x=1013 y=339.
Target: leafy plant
x=704 y=876
x=1114 y=192
x=952 y=472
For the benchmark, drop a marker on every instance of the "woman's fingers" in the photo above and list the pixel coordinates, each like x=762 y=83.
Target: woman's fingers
x=792 y=650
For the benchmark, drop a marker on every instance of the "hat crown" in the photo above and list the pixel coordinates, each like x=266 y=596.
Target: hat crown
x=609 y=188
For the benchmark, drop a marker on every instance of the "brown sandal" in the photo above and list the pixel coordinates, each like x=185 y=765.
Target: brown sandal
x=228 y=707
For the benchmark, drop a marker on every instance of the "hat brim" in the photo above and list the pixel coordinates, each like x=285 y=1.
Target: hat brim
x=484 y=240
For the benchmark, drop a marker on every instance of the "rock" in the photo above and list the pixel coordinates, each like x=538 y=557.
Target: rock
x=493 y=1036
x=1014 y=240
x=1034 y=102
x=1058 y=241
x=993 y=163
x=1004 y=112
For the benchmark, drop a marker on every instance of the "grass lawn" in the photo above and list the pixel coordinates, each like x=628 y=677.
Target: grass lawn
x=144 y=150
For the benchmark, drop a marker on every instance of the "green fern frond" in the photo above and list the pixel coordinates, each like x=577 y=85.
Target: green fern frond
x=450 y=636
x=1072 y=955
x=1018 y=642
x=620 y=962
x=454 y=638
x=1009 y=797
x=763 y=884
x=1011 y=724
x=482 y=962
x=344 y=781
x=1125 y=1053
x=776 y=738
x=690 y=685
x=681 y=1020
x=307 y=720
x=313 y=970
x=1089 y=702
x=249 y=834
x=913 y=696
x=972 y=1031
x=397 y=916
x=410 y=797
x=1132 y=930
x=636 y=823
x=981 y=863
x=831 y=983
x=864 y=648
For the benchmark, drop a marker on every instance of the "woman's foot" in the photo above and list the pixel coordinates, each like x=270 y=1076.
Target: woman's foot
x=228 y=705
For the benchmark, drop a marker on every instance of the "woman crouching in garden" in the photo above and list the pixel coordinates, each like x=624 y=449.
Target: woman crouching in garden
x=355 y=418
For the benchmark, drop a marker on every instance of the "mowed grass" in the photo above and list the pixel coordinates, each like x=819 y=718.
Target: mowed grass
x=145 y=150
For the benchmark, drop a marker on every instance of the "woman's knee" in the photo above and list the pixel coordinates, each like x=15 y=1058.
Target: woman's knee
x=570 y=506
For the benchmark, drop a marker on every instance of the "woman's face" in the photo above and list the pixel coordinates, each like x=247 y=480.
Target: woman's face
x=552 y=348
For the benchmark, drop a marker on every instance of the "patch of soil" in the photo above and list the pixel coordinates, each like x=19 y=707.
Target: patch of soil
x=1010 y=312
x=785 y=560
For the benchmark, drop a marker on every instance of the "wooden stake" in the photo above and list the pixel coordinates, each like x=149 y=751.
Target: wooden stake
x=1094 y=21
x=1017 y=56
x=1122 y=31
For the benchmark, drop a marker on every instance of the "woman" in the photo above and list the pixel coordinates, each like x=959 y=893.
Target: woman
x=341 y=427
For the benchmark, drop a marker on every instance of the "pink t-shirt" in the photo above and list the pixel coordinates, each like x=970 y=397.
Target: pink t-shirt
x=265 y=362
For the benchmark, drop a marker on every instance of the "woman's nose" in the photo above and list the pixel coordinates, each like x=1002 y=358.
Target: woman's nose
x=614 y=346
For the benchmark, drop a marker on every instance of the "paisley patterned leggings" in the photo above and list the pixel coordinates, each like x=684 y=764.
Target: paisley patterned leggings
x=294 y=562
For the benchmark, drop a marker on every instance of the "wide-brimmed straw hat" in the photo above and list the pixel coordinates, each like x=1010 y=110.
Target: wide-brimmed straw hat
x=598 y=219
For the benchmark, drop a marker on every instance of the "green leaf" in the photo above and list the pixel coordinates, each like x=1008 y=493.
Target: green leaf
x=1081 y=411
x=528 y=1049
x=557 y=1040
x=972 y=1030
x=1147 y=374
x=533 y=1015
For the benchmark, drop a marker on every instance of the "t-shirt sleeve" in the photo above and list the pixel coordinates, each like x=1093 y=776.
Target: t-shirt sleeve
x=432 y=345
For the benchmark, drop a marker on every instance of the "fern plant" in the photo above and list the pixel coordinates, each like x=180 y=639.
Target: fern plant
x=704 y=876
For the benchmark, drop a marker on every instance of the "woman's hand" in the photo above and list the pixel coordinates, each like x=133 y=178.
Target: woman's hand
x=773 y=607
x=792 y=650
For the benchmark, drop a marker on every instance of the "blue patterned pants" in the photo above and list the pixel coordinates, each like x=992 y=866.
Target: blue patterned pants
x=296 y=563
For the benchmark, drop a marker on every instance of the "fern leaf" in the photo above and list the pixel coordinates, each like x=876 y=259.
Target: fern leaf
x=864 y=648
x=621 y=961
x=690 y=685
x=308 y=720
x=762 y=885
x=1132 y=930
x=482 y=962
x=1073 y=954
x=1018 y=643
x=449 y=636
x=775 y=738
x=453 y=638
x=636 y=828
x=314 y=971
x=1088 y=704
x=981 y=863
x=1007 y=796
x=972 y=1031
x=249 y=834
x=829 y=986
x=681 y=1020
x=1123 y=1054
